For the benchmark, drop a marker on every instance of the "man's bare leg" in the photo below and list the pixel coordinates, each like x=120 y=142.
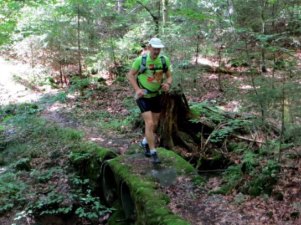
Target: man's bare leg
x=149 y=128
x=151 y=122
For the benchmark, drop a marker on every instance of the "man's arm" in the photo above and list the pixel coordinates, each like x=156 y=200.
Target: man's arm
x=133 y=81
x=166 y=85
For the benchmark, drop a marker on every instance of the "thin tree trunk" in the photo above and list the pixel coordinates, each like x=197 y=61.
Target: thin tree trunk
x=230 y=10
x=79 y=49
x=274 y=53
x=283 y=113
x=253 y=82
x=79 y=43
x=32 y=57
x=219 y=65
x=157 y=29
x=119 y=6
x=197 y=52
x=156 y=19
x=263 y=63
x=61 y=74
x=164 y=13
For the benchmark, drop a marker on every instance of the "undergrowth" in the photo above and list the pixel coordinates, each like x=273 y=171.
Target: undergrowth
x=257 y=170
x=12 y=192
x=35 y=178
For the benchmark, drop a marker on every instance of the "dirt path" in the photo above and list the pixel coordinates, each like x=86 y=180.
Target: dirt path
x=13 y=92
x=118 y=143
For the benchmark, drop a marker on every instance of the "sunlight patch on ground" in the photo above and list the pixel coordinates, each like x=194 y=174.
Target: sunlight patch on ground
x=204 y=61
x=245 y=87
x=106 y=76
x=298 y=56
x=57 y=106
x=278 y=75
x=212 y=77
x=3 y=169
x=71 y=96
x=238 y=78
x=54 y=108
x=10 y=91
x=111 y=110
x=233 y=106
x=96 y=139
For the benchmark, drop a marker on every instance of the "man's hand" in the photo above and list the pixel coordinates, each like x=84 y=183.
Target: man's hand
x=165 y=86
x=139 y=93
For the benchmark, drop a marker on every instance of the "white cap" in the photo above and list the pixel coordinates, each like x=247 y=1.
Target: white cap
x=156 y=43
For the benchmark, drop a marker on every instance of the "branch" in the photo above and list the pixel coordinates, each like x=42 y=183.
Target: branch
x=155 y=18
x=133 y=10
x=248 y=139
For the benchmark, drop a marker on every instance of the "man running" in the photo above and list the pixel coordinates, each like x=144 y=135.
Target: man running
x=147 y=78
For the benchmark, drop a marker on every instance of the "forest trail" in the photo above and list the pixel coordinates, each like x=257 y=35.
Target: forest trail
x=117 y=143
x=191 y=202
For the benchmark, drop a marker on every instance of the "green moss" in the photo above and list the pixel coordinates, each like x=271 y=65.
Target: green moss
x=104 y=153
x=92 y=148
x=151 y=205
x=90 y=151
x=198 y=180
x=170 y=158
x=87 y=159
x=118 y=217
x=237 y=147
x=23 y=164
x=232 y=177
x=172 y=220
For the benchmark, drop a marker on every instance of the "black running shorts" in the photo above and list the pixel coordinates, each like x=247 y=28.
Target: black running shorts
x=150 y=104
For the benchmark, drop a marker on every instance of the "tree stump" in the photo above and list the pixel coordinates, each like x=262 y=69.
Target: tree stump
x=175 y=125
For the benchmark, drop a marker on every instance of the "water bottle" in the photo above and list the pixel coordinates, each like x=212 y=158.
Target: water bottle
x=144 y=93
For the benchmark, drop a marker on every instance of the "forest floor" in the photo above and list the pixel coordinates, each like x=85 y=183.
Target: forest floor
x=193 y=203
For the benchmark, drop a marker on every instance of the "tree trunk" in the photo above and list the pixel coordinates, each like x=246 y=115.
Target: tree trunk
x=79 y=49
x=164 y=13
x=155 y=18
x=78 y=42
x=263 y=63
x=61 y=74
x=220 y=86
x=119 y=6
x=197 y=52
x=31 y=55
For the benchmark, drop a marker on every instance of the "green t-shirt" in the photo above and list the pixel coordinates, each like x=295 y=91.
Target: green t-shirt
x=152 y=77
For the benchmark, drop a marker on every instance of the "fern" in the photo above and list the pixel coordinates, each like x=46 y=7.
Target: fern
x=232 y=177
x=12 y=192
x=250 y=160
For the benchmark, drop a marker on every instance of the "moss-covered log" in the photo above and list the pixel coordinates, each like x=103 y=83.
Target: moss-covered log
x=142 y=200
x=127 y=183
x=87 y=159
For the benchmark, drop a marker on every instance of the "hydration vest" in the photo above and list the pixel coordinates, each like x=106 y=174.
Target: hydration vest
x=143 y=64
x=143 y=68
